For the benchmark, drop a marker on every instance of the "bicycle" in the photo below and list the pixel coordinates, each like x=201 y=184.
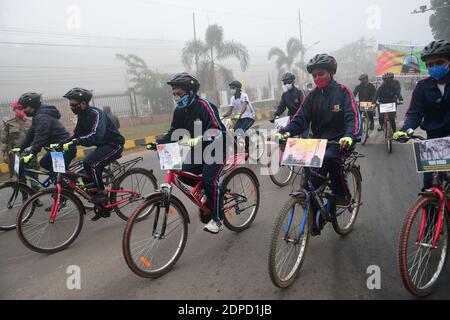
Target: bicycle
x=366 y=107
x=423 y=241
x=306 y=209
x=387 y=125
x=156 y=234
x=36 y=228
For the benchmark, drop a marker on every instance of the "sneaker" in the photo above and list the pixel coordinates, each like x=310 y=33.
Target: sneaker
x=213 y=227
x=99 y=198
x=344 y=201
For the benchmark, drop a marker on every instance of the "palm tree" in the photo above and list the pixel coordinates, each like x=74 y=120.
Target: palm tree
x=286 y=60
x=213 y=49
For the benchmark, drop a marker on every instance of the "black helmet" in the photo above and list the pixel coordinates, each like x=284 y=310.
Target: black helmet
x=288 y=76
x=439 y=47
x=388 y=76
x=363 y=77
x=323 y=61
x=235 y=85
x=79 y=94
x=185 y=81
x=30 y=99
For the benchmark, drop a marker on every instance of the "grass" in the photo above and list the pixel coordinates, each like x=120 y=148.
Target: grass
x=145 y=130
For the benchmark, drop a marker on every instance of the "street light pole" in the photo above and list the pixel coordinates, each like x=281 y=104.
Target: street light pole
x=302 y=52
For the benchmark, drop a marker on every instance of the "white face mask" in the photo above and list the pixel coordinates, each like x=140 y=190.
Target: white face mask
x=233 y=92
x=287 y=87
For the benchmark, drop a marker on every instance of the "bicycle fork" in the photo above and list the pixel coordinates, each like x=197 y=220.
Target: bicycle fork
x=304 y=193
x=440 y=219
x=55 y=206
x=166 y=190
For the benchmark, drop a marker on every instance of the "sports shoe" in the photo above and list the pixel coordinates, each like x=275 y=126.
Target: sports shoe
x=343 y=201
x=213 y=227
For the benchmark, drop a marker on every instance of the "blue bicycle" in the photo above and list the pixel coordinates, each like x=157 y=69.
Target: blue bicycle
x=305 y=215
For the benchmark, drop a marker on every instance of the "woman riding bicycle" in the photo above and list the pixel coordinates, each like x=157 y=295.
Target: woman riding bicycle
x=333 y=114
x=388 y=92
x=196 y=117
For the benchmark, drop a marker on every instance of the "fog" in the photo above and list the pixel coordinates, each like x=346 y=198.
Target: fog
x=43 y=48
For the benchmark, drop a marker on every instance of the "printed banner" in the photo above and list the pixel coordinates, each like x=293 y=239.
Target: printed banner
x=400 y=60
x=304 y=153
x=433 y=155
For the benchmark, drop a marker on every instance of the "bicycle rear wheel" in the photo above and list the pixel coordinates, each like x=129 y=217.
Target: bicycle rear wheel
x=12 y=196
x=138 y=180
x=257 y=146
x=365 y=132
x=280 y=175
x=420 y=264
x=38 y=233
x=147 y=253
x=239 y=199
x=344 y=219
x=288 y=246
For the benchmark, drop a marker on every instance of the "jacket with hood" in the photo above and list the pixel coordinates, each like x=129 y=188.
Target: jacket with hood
x=46 y=129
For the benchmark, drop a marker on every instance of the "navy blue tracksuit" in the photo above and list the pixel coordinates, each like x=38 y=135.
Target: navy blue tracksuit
x=430 y=110
x=202 y=112
x=292 y=100
x=94 y=128
x=332 y=114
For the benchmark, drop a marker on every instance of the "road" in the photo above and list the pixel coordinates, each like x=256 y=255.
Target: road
x=235 y=266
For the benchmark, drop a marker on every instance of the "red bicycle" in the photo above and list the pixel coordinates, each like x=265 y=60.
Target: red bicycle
x=156 y=233
x=56 y=223
x=423 y=242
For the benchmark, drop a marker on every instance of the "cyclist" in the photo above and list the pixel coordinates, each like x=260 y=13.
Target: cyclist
x=46 y=129
x=430 y=104
x=388 y=92
x=94 y=128
x=333 y=115
x=292 y=98
x=191 y=110
x=366 y=92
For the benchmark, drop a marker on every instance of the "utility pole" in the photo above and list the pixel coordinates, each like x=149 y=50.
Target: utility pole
x=195 y=39
x=302 y=53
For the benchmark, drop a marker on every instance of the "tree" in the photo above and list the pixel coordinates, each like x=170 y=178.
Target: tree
x=149 y=84
x=285 y=61
x=214 y=49
x=440 y=19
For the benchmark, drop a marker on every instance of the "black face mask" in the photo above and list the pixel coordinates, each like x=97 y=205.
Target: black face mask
x=28 y=113
x=77 y=109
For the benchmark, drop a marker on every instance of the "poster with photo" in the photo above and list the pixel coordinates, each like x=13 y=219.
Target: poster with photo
x=169 y=156
x=281 y=122
x=59 y=164
x=305 y=153
x=432 y=155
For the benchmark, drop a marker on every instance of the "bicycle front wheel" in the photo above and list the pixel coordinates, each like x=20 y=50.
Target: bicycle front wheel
x=149 y=247
x=389 y=135
x=39 y=233
x=12 y=196
x=420 y=264
x=239 y=199
x=365 y=132
x=289 y=242
x=280 y=175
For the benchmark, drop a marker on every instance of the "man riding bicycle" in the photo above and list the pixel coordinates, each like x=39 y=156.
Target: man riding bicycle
x=94 y=128
x=366 y=92
x=292 y=98
x=192 y=111
x=333 y=115
x=388 y=92
x=430 y=104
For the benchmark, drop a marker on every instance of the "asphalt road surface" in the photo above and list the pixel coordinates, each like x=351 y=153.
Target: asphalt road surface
x=235 y=266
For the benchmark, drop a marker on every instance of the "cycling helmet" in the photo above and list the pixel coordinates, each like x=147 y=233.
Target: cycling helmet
x=363 y=77
x=388 y=76
x=30 y=99
x=79 y=94
x=323 y=61
x=439 y=47
x=185 y=81
x=288 y=76
x=235 y=85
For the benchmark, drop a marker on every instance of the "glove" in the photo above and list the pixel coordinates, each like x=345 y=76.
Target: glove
x=151 y=146
x=28 y=158
x=236 y=117
x=346 y=142
x=281 y=136
x=400 y=135
x=193 y=142
x=55 y=146
x=272 y=120
x=15 y=150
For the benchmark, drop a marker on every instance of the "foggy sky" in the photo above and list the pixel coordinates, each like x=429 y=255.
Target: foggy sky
x=166 y=25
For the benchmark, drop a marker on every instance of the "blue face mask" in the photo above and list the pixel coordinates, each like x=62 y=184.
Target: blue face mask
x=185 y=100
x=438 y=72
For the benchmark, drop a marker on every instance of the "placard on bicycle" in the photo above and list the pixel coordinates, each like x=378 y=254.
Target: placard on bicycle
x=170 y=156
x=366 y=105
x=304 y=153
x=432 y=155
x=388 y=107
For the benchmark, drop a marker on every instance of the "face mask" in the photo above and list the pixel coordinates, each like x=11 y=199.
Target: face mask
x=20 y=114
x=438 y=72
x=322 y=83
x=184 y=101
x=28 y=113
x=233 y=92
x=287 y=87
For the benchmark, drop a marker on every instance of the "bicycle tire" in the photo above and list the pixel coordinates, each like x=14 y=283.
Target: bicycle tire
x=273 y=177
x=277 y=231
x=252 y=177
x=389 y=136
x=69 y=196
x=23 y=188
x=365 y=131
x=356 y=200
x=402 y=258
x=126 y=245
x=260 y=148
x=116 y=186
